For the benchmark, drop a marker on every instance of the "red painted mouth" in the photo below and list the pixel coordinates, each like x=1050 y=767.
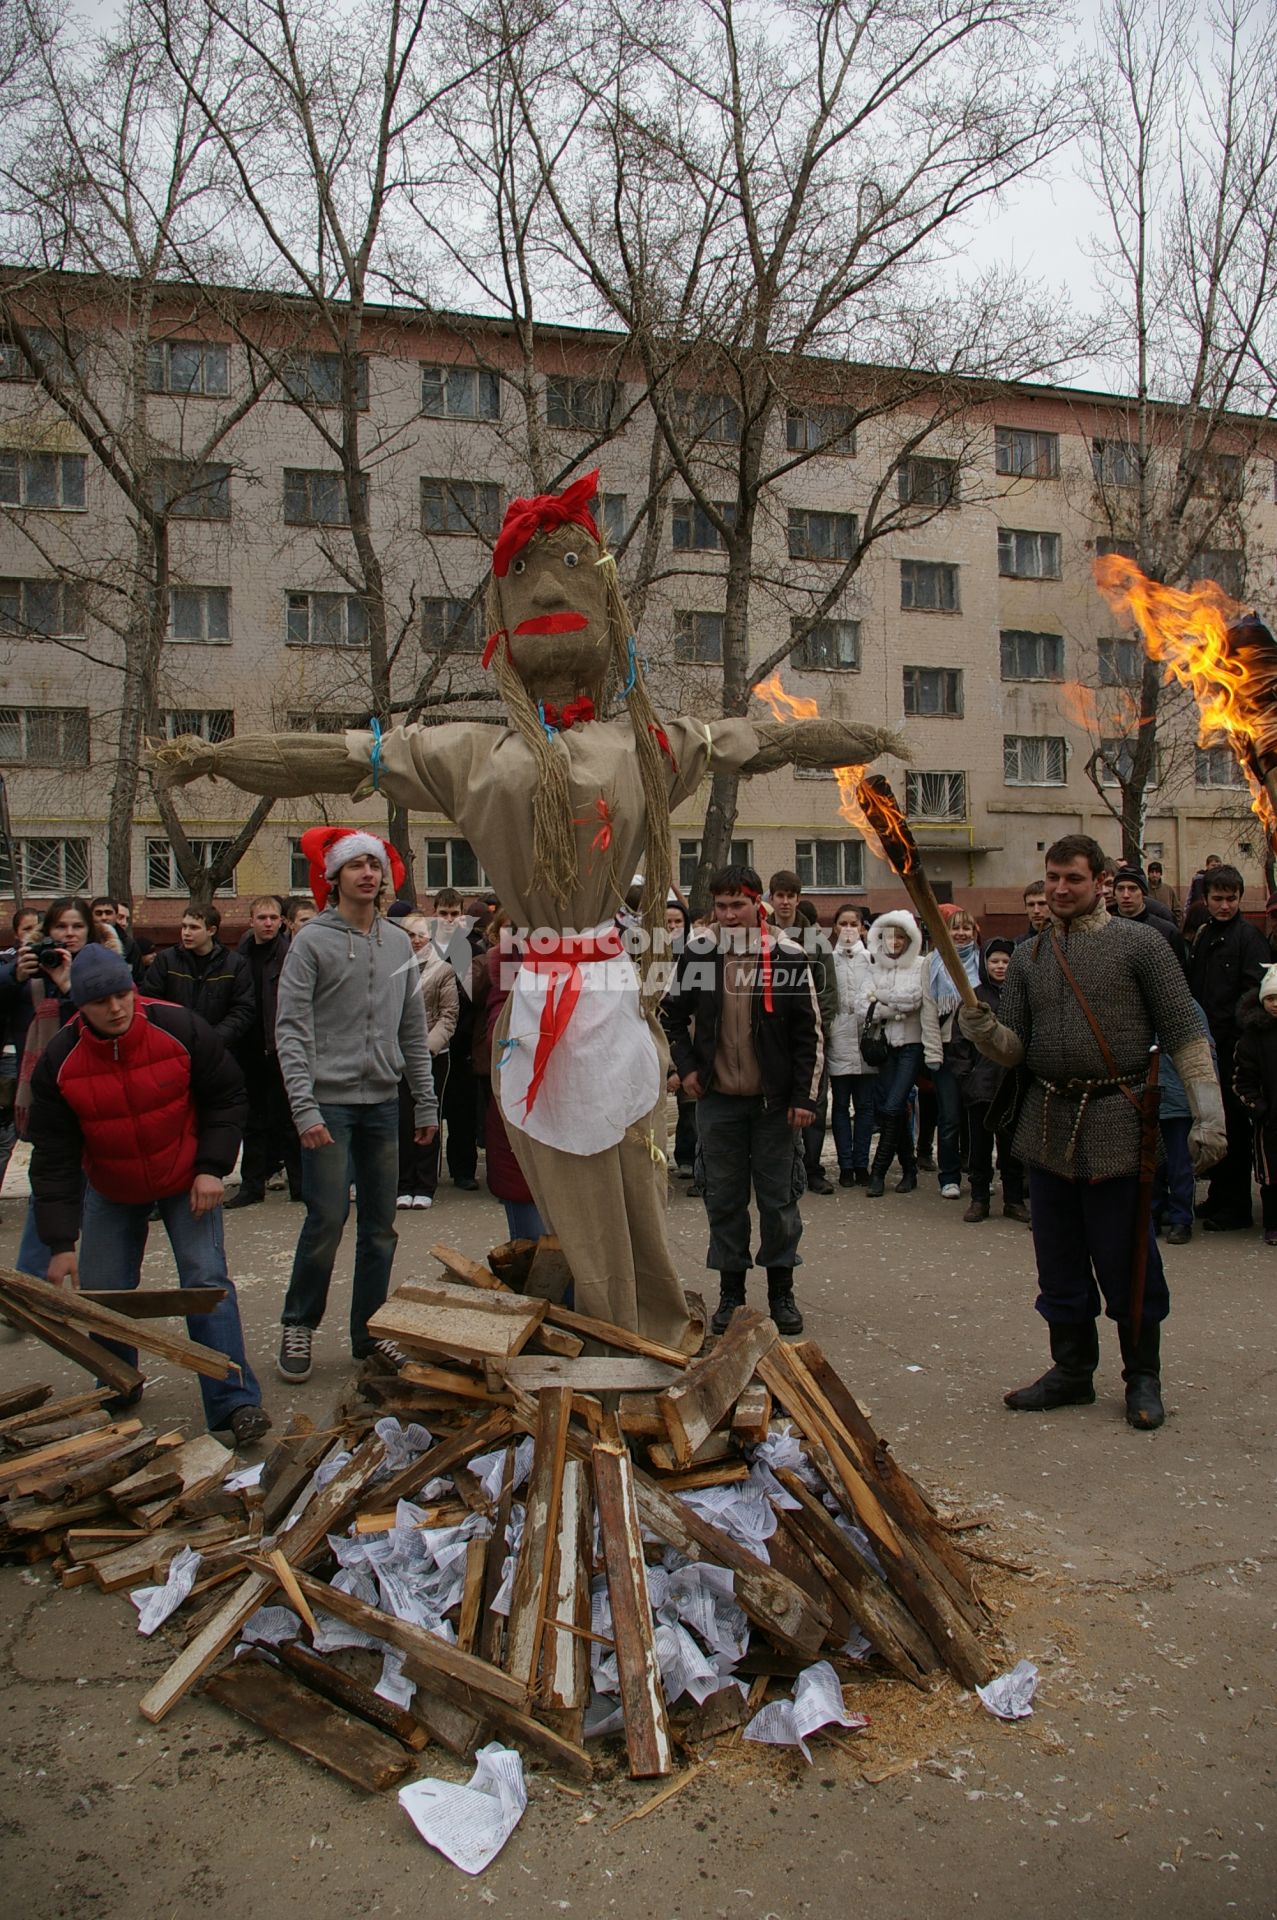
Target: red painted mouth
x=553 y=623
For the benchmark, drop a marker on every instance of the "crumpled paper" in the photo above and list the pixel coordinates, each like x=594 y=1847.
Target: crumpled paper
x=155 y=1604
x=1010 y=1695
x=469 y=1825
x=817 y=1702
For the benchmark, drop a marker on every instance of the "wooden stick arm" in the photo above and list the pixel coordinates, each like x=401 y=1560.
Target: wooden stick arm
x=284 y=765
x=820 y=743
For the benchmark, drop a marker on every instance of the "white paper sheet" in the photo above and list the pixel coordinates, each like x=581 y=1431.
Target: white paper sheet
x=1010 y=1695
x=469 y=1825
x=155 y=1604
x=817 y=1702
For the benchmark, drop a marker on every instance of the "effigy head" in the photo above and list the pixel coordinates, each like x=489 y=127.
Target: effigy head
x=555 y=607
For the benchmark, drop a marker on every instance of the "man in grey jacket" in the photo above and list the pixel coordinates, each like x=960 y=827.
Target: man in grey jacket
x=350 y=1022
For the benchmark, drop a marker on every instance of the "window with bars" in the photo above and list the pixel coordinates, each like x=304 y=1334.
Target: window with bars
x=188 y=367
x=163 y=875
x=315 y=497
x=1115 y=463
x=327 y=620
x=47 y=866
x=821 y=536
x=314 y=379
x=588 y=405
x=192 y=489
x=818 y=429
x=1026 y=454
x=452 y=626
x=830 y=865
x=929 y=586
x=1024 y=554
x=924 y=481
x=935 y=796
x=199 y=614
x=1034 y=760
x=711 y=418
x=207 y=723
x=1031 y=656
x=1226 y=566
x=1116 y=758
x=695 y=532
x=460 y=393
x=698 y=636
x=830 y=646
x=933 y=692
x=53 y=482
x=689 y=854
x=464 y=507
x=453 y=863
x=1121 y=662
x=1217 y=766
x=41 y=609
x=44 y=736
x=48 y=350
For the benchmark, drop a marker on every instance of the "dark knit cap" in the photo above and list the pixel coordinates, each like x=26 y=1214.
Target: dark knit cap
x=399 y=909
x=999 y=944
x=1131 y=873
x=96 y=972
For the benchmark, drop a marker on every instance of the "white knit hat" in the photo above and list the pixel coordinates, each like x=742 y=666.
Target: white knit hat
x=1268 y=982
x=349 y=847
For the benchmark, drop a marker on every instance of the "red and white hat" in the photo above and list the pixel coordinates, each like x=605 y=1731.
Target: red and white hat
x=327 y=849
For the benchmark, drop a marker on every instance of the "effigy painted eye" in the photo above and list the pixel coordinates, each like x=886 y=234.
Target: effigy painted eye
x=571 y=559
x=520 y=566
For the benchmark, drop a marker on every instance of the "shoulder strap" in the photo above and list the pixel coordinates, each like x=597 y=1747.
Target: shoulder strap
x=1106 y=1052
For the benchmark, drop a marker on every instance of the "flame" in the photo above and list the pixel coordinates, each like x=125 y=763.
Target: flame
x=855 y=794
x=1193 y=632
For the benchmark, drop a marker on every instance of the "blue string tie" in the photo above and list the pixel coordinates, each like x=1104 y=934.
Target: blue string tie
x=376 y=755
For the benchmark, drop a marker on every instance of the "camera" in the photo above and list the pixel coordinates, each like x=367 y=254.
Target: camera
x=48 y=955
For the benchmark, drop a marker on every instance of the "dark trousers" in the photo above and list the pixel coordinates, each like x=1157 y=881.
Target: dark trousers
x=1174 y=1184
x=854 y=1092
x=741 y=1143
x=459 y=1112
x=1268 y=1201
x=814 y=1135
x=270 y=1138
x=1228 y=1195
x=1083 y=1234
x=419 y=1166
x=948 y=1100
x=980 y=1145
x=685 y=1134
x=926 y=1121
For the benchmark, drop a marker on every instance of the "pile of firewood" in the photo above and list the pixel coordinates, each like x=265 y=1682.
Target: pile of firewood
x=620 y=1434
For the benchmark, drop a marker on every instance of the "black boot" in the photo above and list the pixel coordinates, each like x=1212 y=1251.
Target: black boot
x=1075 y=1349
x=1142 y=1372
x=884 y=1154
x=908 y=1181
x=731 y=1294
x=781 y=1304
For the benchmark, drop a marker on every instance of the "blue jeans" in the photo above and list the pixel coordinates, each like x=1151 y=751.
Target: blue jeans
x=365 y=1148
x=853 y=1090
x=33 y=1255
x=948 y=1126
x=1174 y=1188
x=113 y=1240
x=896 y=1076
x=522 y=1220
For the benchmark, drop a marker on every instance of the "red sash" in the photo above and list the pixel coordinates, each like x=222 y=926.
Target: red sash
x=563 y=959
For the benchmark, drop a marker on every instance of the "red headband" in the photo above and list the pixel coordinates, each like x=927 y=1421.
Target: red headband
x=542 y=514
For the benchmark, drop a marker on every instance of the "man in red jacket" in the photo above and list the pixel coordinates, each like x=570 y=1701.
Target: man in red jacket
x=137 y=1104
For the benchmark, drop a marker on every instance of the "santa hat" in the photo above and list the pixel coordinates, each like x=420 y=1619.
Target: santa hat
x=327 y=849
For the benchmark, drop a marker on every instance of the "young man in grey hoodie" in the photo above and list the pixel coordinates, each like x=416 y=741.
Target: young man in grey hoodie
x=350 y=1022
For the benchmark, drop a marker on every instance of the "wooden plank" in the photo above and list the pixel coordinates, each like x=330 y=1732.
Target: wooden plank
x=477 y=1436
x=19 y=1475
x=694 y=1406
x=534 y=1567
x=107 y=1366
x=640 y=1418
x=469 y=1273
x=718 y=1447
x=41 y=1409
x=197 y=1464
x=148 y=1558
x=608 y=1374
x=565 y=1661
x=511 y=1261
x=647 y=1733
x=156 y=1303
x=549 y=1276
x=723 y=1474
x=751 y=1416
x=20 y=1400
x=612 y=1336
x=322 y=1676
x=39 y=1516
x=494 y=1303
x=293 y=1593
x=492 y=1628
x=462 y=1386
x=280 y=1705
x=452 y=1726
x=472 y=1595
x=57 y=1303
x=544 y=1339
x=47 y=1432
x=456 y=1320
x=548 y=1339
x=559 y=1752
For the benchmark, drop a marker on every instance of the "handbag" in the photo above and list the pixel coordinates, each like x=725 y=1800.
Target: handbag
x=874 y=1045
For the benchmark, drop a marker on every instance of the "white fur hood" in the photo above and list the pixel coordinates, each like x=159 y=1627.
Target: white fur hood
x=902 y=918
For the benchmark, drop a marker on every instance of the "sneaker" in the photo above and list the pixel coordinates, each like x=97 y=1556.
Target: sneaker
x=385 y=1352
x=404 y=1202
x=248 y=1424
x=951 y=1192
x=1179 y=1236
x=422 y=1200
x=293 y=1362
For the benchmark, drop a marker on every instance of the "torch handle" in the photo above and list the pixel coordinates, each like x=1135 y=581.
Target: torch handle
x=919 y=890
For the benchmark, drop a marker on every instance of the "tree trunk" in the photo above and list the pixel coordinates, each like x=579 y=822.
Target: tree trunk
x=720 y=814
x=142 y=648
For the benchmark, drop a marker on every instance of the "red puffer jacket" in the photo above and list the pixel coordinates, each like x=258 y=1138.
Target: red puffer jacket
x=139 y=1116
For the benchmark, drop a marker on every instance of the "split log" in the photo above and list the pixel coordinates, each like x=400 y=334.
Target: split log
x=22 y=1399
x=609 y=1374
x=156 y=1303
x=472 y=1595
x=57 y=1303
x=492 y=1629
x=609 y=1335
x=255 y=1688
x=647 y=1734
x=565 y=1663
x=30 y=1470
x=530 y=1596
x=115 y=1373
x=41 y=1409
x=444 y=1317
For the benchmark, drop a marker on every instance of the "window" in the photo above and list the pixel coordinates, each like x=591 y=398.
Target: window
x=212 y=723
x=1030 y=456
x=936 y=796
x=50 y=480
x=820 y=430
x=1124 y=549
x=1024 y=555
x=1115 y=463
x=614 y=518
x=48 y=866
x=1217 y=767
x=460 y=393
x=830 y=864
x=48 y=350
x=452 y=626
x=698 y=636
x=928 y=586
x=311 y=721
x=453 y=863
x=711 y=417
x=41 y=609
x=314 y=497
x=199 y=613
x=829 y=646
x=314 y=379
x=327 y=620
x=689 y=853
x=1223 y=474
x=1116 y=755
x=44 y=736
x=461 y=507
x=1226 y=566
x=1029 y=760
x=1121 y=662
x=187 y=366
x=933 y=692
x=926 y=482
x=1031 y=656
x=192 y=489
x=821 y=536
x=163 y=875
x=587 y=405
x=695 y=532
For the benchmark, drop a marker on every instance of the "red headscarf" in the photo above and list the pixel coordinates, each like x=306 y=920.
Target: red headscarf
x=542 y=514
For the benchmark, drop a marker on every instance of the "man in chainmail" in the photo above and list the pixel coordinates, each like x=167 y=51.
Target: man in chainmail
x=1080 y=1125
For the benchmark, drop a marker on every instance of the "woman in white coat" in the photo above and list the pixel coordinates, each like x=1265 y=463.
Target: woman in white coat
x=852 y=1083
x=893 y=991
